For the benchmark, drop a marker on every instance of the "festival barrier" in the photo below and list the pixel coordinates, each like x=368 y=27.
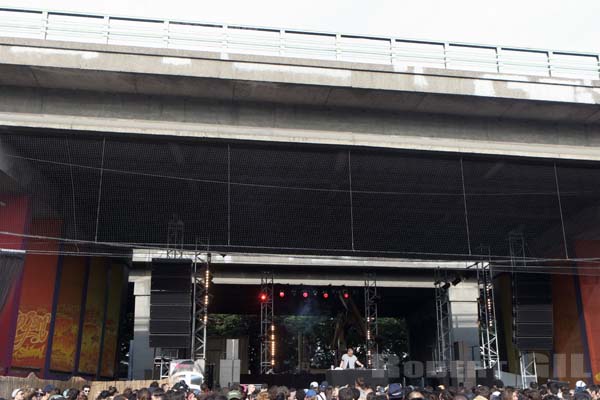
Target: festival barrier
x=9 y=383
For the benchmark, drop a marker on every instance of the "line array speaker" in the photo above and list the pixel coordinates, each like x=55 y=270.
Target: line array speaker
x=171 y=303
x=532 y=312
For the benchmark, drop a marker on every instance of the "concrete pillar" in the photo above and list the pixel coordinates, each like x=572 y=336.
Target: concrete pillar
x=463 y=312
x=465 y=331
x=141 y=355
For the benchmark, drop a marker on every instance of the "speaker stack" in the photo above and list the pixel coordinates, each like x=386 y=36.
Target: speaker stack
x=532 y=312
x=171 y=303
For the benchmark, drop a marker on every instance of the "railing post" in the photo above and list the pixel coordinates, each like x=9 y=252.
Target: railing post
x=338 y=50
x=106 y=28
x=166 y=33
x=598 y=65
x=498 y=58
x=44 y=31
x=392 y=40
x=224 y=40
x=446 y=59
x=549 y=61
x=282 y=42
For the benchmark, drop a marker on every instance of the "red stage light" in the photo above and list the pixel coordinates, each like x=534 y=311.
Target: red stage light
x=325 y=295
x=263 y=297
x=282 y=294
x=305 y=294
x=346 y=295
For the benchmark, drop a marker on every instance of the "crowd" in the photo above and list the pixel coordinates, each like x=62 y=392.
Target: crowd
x=323 y=391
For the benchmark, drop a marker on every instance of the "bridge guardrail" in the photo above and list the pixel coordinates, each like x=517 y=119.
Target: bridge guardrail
x=97 y=28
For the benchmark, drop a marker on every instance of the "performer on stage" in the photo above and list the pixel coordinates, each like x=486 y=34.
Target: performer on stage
x=349 y=360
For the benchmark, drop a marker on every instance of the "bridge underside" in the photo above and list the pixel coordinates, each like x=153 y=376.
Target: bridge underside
x=299 y=199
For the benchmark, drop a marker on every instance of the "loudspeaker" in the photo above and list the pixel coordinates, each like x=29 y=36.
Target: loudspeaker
x=533 y=325
x=171 y=303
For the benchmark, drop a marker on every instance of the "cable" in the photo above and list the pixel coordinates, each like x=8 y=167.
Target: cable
x=310 y=189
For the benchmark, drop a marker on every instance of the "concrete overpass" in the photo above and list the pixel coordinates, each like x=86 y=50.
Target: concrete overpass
x=426 y=101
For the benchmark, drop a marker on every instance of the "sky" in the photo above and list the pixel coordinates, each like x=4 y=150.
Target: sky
x=572 y=25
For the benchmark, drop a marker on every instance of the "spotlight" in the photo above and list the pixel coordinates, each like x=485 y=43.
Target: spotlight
x=446 y=285
x=262 y=297
x=305 y=294
x=456 y=280
x=346 y=295
x=281 y=294
x=325 y=295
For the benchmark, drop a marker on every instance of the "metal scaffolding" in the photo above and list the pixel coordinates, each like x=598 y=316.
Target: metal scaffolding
x=444 y=353
x=371 y=320
x=486 y=307
x=528 y=365
x=175 y=238
x=201 y=283
x=518 y=262
x=267 y=324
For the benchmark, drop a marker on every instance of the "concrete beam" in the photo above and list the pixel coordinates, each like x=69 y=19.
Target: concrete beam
x=123 y=69
x=83 y=111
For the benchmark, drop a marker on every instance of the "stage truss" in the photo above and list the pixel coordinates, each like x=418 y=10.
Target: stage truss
x=201 y=284
x=527 y=360
x=371 y=320
x=443 y=352
x=486 y=307
x=267 y=324
x=175 y=237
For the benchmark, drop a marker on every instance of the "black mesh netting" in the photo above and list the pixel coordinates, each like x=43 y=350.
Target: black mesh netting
x=298 y=197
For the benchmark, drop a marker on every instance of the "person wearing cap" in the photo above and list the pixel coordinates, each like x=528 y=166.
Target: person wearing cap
x=580 y=386
x=395 y=391
x=18 y=394
x=311 y=394
x=234 y=395
x=322 y=388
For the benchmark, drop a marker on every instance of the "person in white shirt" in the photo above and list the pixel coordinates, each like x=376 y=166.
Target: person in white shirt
x=349 y=360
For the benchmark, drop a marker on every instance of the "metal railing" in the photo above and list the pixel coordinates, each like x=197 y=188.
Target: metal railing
x=96 y=28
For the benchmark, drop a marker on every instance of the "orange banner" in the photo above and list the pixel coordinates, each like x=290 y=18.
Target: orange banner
x=589 y=287
x=111 y=326
x=37 y=294
x=94 y=316
x=68 y=313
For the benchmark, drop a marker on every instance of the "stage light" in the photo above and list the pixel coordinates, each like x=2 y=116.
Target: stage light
x=456 y=280
x=263 y=297
x=305 y=294
x=346 y=295
x=325 y=295
x=281 y=294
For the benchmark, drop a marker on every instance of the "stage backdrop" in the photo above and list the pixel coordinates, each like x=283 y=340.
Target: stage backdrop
x=68 y=313
x=589 y=287
x=13 y=218
x=94 y=317
x=111 y=325
x=36 y=299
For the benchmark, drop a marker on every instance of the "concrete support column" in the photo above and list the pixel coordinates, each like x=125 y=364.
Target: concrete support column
x=464 y=331
x=463 y=313
x=141 y=355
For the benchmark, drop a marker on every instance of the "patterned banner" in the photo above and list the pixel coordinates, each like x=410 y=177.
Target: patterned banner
x=111 y=327
x=68 y=313
x=13 y=218
x=35 y=304
x=94 y=315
